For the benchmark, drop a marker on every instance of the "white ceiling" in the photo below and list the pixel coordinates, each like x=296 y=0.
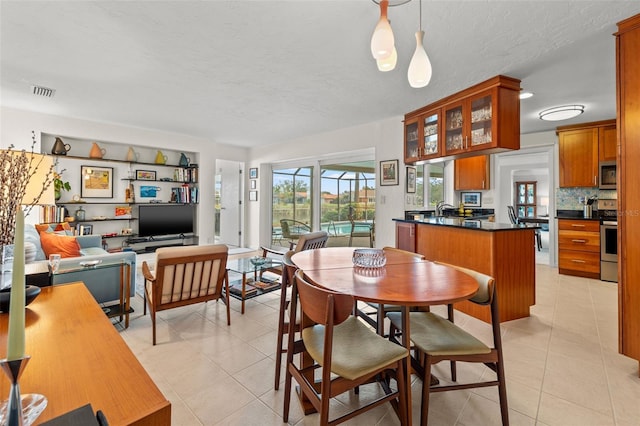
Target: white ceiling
x=253 y=73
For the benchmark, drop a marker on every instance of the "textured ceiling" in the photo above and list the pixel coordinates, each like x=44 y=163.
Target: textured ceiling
x=253 y=73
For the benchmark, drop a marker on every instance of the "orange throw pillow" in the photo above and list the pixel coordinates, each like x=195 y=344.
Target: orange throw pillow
x=65 y=246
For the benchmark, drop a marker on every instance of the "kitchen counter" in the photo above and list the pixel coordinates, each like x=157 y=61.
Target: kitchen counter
x=469 y=223
x=503 y=251
x=576 y=215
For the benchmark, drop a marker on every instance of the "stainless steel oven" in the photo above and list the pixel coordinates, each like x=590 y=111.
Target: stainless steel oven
x=608 y=240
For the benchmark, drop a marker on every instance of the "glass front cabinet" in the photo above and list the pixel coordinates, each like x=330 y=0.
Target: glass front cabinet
x=422 y=137
x=481 y=119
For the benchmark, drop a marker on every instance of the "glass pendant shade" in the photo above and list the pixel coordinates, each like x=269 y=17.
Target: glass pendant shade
x=389 y=63
x=382 y=39
x=419 y=73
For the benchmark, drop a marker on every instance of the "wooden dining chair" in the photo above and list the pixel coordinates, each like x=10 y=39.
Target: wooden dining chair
x=438 y=339
x=374 y=314
x=345 y=349
x=309 y=241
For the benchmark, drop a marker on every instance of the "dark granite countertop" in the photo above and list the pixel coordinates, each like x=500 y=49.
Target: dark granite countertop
x=576 y=215
x=480 y=225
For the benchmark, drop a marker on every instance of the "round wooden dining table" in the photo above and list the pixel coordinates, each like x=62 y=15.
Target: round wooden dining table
x=405 y=280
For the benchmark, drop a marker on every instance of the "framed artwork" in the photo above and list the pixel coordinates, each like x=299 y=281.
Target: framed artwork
x=253 y=184
x=389 y=172
x=471 y=199
x=253 y=195
x=85 y=229
x=411 y=180
x=253 y=173
x=96 y=182
x=145 y=175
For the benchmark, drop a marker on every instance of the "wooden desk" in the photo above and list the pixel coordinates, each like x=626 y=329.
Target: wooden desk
x=78 y=357
x=402 y=281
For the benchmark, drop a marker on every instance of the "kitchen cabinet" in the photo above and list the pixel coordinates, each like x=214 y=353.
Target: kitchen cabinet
x=471 y=173
x=579 y=247
x=484 y=118
x=406 y=236
x=581 y=148
x=607 y=143
x=628 y=106
x=422 y=137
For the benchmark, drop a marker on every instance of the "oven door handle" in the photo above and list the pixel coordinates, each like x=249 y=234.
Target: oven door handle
x=609 y=223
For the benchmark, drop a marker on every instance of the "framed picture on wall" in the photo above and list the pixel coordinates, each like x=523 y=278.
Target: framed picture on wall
x=96 y=182
x=253 y=183
x=411 y=180
x=389 y=172
x=471 y=199
x=253 y=173
x=253 y=195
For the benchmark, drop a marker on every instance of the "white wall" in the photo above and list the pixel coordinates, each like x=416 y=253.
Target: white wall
x=16 y=126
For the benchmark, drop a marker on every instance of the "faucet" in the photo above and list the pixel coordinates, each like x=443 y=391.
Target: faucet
x=441 y=206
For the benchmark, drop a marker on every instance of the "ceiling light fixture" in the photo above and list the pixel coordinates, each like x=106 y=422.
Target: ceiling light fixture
x=419 y=72
x=389 y=63
x=382 y=39
x=525 y=95
x=564 y=112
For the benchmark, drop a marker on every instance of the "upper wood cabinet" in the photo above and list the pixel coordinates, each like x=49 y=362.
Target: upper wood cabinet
x=422 y=137
x=471 y=173
x=581 y=147
x=484 y=118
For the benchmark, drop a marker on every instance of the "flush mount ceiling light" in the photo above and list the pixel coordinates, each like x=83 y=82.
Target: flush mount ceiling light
x=564 y=112
x=525 y=95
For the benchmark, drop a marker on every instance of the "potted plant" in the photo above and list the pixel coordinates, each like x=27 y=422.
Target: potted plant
x=59 y=185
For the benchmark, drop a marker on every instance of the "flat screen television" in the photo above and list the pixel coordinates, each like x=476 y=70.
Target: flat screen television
x=165 y=219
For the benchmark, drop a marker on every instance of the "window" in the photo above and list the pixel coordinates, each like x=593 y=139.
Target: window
x=526 y=199
x=429 y=184
x=292 y=197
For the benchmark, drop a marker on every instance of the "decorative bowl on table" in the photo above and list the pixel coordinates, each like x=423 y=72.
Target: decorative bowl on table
x=258 y=260
x=31 y=292
x=369 y=258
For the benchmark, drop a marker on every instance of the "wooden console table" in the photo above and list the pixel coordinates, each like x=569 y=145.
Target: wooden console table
x=78 y=357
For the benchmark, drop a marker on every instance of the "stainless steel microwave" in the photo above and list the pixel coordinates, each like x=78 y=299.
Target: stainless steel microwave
x=607 y=175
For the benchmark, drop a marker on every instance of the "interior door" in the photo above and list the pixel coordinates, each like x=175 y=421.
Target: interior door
x=228 y=180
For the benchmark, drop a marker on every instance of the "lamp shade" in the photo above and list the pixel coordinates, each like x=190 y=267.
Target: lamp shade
x=419 y=73
x=40 y=167
x=382 y=40
x=389 y=63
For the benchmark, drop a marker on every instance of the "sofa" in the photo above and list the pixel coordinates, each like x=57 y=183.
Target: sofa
x=104 y=284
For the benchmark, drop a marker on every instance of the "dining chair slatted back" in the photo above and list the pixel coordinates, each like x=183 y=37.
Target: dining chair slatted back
x=346 y=350
x=514 y=220
x=437 y=339
x=309 y=241
x=184 y=276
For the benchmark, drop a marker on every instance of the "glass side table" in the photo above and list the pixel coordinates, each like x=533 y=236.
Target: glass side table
x=123 y=307
x=250 y=287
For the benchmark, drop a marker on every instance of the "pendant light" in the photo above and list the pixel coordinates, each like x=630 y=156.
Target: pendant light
x=419 y=73
x=382 y=39
x=389 y=63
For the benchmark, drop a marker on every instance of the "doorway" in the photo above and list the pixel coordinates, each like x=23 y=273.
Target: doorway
x=228 y=214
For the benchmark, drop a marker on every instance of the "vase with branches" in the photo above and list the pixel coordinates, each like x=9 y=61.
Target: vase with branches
x=17 y=168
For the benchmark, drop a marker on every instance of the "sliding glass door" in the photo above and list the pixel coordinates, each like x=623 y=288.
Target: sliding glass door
x=292 y=199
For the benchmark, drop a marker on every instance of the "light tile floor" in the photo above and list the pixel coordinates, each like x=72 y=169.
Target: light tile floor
x=561 y=363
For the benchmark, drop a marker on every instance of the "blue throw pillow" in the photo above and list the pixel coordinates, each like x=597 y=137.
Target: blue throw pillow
x=31 y=236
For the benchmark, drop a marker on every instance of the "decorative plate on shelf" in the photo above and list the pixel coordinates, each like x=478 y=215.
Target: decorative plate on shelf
x=99 y=218
x=88 y=263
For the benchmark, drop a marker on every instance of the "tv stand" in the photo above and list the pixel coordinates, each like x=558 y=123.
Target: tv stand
x=151 y=244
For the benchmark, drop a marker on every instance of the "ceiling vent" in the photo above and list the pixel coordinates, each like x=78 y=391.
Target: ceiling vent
x=43 y=91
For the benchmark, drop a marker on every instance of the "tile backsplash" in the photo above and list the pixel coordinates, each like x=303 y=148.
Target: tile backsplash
x=569 y=198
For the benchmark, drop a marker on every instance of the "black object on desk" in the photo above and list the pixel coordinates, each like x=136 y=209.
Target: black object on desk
x=82 y=416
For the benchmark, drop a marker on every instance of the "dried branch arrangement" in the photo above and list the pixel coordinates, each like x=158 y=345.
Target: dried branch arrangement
x=16 y=170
